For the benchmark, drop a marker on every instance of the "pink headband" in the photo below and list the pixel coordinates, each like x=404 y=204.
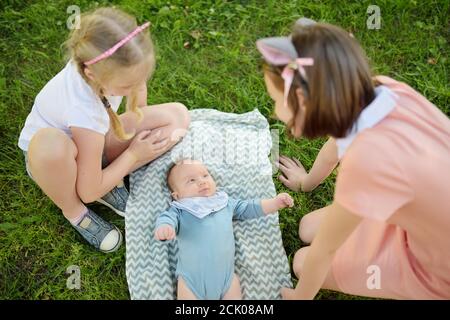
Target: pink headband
x=288 y=73
x=119 y=44
x=279 y=51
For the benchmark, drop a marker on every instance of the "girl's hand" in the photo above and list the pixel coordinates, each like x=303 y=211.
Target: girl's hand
x=147 y=146
x=165 y=232
x=293 y=174
x=288 y=294
x=284 y=200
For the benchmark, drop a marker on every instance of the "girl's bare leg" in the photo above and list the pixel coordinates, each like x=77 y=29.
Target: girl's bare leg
x=309 y=225
x=297 y=265
x=51 y=157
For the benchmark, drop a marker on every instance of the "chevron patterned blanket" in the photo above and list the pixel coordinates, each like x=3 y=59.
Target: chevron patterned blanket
x=235 y=149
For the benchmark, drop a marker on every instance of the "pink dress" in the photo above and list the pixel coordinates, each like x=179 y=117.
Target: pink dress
x=396 y=176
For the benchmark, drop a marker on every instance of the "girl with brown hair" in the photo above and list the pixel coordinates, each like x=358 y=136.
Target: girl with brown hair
x=387 y=232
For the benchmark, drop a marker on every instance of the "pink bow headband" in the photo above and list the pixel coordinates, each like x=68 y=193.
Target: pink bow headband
x=279 y=51
x=119 y=44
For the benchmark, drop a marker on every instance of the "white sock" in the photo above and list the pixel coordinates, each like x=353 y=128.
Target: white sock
x=74 y=221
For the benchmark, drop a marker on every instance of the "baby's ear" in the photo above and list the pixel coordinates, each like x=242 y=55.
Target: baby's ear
x=175 y=195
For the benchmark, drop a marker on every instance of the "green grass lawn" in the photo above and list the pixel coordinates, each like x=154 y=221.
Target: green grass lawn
x=219 y=69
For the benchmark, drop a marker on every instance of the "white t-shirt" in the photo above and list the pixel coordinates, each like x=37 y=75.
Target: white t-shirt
x=67 y=101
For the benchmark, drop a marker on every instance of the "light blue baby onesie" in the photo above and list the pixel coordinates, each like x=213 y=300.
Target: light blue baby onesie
x=206 y=245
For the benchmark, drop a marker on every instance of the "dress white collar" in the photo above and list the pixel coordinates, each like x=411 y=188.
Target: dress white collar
x=377 y=110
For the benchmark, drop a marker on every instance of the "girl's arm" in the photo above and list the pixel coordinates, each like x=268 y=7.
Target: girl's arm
x=145 y=146
x=295 y=176
x=324 y=164
x=92 y=181
x=336 y=227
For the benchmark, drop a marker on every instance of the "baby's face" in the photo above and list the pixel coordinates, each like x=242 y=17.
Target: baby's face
x=191 y=179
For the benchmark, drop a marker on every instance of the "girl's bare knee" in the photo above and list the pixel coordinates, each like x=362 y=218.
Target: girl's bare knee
x=177 y=129
x=299 y=260
x=306 y=230
x=182 y=115
x=50 y=146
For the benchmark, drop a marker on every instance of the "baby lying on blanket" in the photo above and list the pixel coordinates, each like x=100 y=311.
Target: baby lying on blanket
x=201 y=217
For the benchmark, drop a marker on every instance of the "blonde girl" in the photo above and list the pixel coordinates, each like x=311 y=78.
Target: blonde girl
x=76 y=147
x=387 y=232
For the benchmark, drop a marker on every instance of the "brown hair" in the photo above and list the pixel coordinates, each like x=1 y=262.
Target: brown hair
x=99 y=30
x=338 y=86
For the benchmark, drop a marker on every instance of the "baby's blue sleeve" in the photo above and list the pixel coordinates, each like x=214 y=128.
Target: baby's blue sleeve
x=169 y=217
x=246 y=209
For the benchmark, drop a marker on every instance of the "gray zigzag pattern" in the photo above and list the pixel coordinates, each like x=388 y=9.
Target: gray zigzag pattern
x=235 y=148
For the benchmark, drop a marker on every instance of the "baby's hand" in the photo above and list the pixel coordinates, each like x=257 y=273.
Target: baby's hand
x=165 y=232
x=284 y=200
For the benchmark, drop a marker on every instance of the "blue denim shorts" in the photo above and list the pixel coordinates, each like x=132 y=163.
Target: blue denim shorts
x=27 y=167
